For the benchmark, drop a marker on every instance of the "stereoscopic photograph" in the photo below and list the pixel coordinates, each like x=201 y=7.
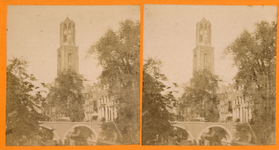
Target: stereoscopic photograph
x=209 y=75
x=73 y=75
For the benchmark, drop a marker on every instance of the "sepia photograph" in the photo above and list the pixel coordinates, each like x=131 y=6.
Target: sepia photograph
x=209 y=75
x=73 y=75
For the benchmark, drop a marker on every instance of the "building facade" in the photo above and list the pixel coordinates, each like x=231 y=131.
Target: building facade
x=108 y=106
x=90 y=102
x=235 y=105
x=203 y=54
x=225 y=104
x=242 y=105
x=99 y=105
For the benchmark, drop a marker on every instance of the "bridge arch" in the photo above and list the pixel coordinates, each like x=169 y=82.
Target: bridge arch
x=229 y=138
x=95 y=135
x=190 y=134
x=55 y=137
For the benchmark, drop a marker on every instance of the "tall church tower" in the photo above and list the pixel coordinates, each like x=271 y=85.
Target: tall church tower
x=203 y=54
x=67 y=53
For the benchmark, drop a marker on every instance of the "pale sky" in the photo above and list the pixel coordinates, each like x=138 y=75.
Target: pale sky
x=170 y=35
x=33 y=32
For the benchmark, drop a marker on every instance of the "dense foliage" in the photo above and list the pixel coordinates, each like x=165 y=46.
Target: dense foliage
x=200 y=97
x=22 y=105
x=254 y=54
x=65 y=97
x=119 y=55
x=155 y=103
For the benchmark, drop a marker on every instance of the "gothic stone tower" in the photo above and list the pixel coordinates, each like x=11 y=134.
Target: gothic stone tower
x=203 y=53
x=67 y=54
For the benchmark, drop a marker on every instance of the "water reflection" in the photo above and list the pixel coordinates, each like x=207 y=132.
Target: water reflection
x=214 y=136
x=80 y=136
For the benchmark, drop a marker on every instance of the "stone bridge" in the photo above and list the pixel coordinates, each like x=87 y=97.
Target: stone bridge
x=241 y=132
x=61 y=129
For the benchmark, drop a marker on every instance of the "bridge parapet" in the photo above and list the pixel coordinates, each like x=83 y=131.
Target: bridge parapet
x=196 y=130
x=61 y=129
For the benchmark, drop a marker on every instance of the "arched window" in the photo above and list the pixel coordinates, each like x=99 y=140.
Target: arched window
x=65 y=27
x=65 y=33
x=69 y=26
x=201 y=38
x=201 y=34
x=59 y=60
x=205 y=61
x=70 y=60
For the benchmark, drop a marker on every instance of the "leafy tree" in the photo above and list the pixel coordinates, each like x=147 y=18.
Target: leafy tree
x=119 y=55
x=201 y=96
x=22 y=116
x=155 y=103
x=66 y=96
x=254 y=54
